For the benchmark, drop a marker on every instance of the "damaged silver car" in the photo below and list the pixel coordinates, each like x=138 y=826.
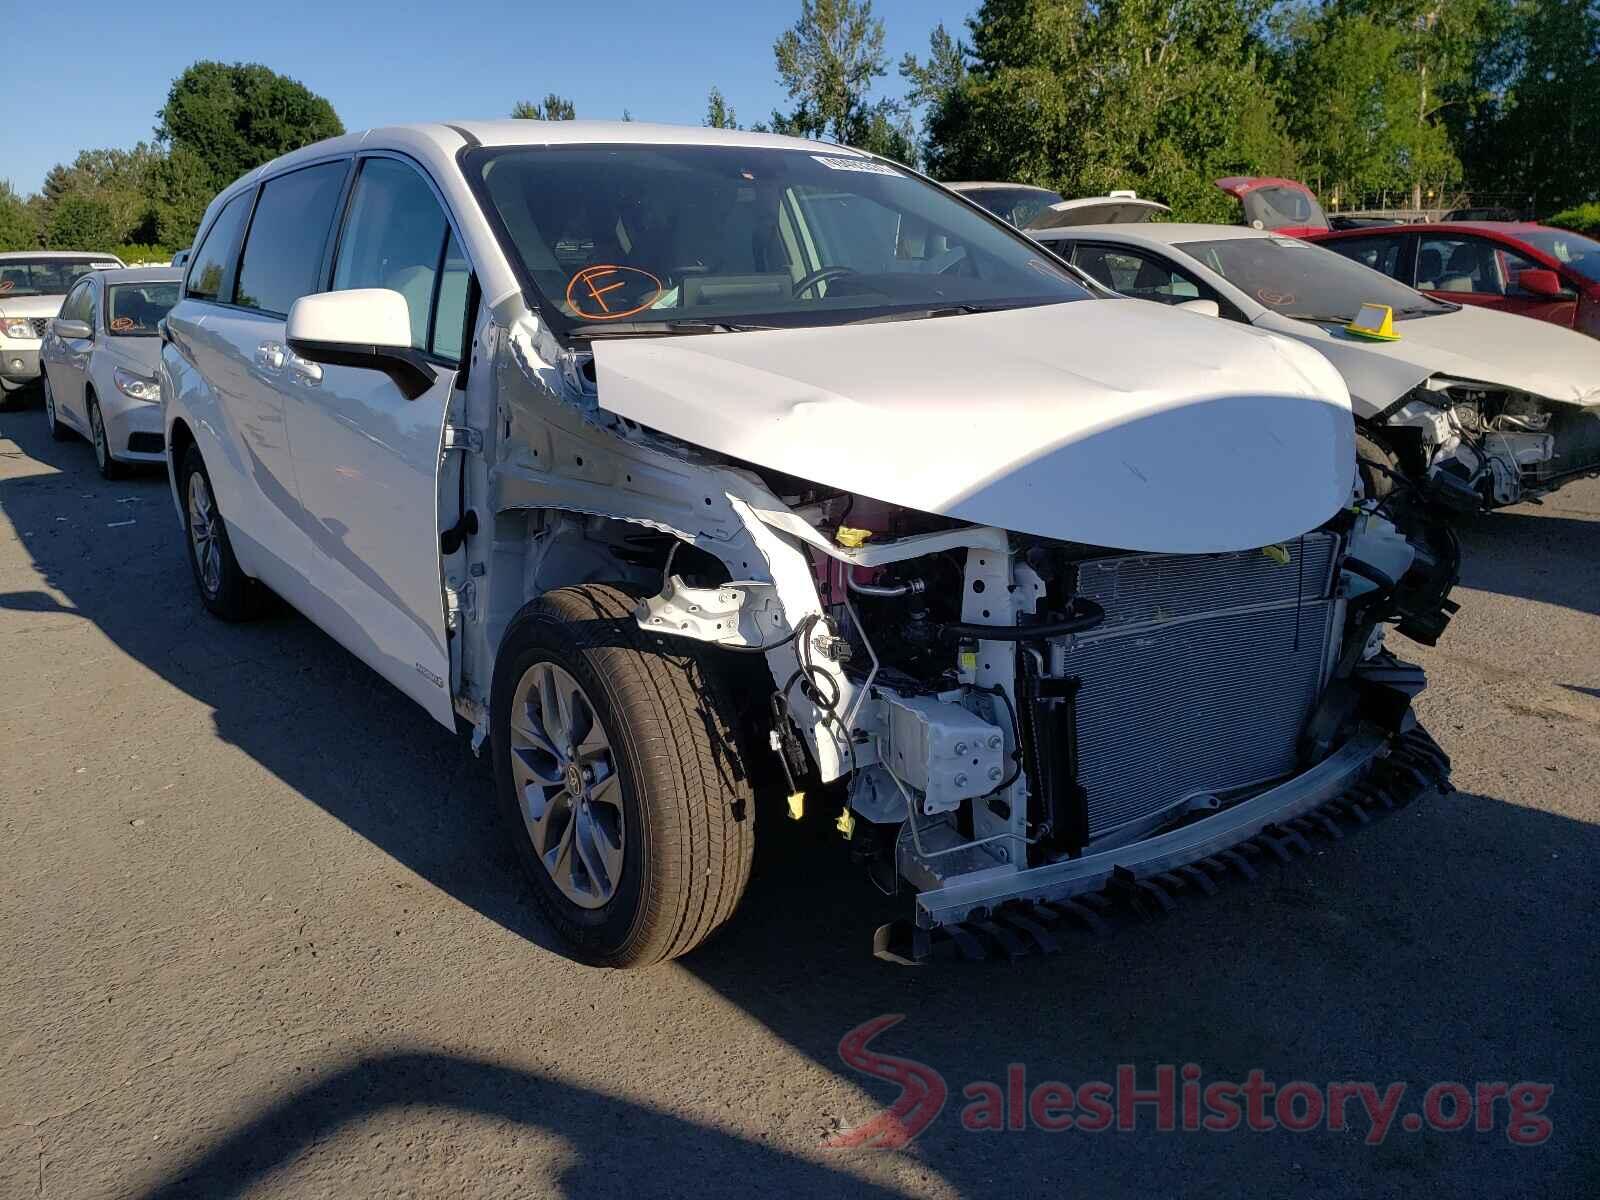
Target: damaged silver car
x=694 y=468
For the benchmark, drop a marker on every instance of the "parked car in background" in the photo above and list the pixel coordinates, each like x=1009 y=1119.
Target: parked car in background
x=1277 y=205
x=1016 y=203
x=32 y=286
x=1530 y=270
x=1491 y=213
x=1031 y=208
x=1486 y=408
x=670 y=459
x=100 y=359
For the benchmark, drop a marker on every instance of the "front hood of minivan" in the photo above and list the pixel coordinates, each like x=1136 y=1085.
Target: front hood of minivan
x=1115 y=423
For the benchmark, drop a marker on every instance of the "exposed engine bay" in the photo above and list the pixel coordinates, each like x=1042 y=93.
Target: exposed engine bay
x=1004 y=723
x=1483 y=446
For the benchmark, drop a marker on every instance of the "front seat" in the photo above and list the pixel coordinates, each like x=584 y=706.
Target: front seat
x=1462 y=272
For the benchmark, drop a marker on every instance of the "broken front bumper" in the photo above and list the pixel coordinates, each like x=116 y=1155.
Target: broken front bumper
x=1020 y=912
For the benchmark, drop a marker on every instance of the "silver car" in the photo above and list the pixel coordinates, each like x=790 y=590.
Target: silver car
x=99 y=361
x=32 y=283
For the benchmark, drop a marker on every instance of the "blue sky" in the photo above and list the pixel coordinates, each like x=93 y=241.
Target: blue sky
x=97 y=76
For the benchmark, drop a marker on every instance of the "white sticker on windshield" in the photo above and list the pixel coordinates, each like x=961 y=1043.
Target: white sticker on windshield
x=863 y=165
x=105 y=266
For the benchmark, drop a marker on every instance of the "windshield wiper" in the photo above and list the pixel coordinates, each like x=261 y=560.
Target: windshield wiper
x=606 y=329
x=1319 y=319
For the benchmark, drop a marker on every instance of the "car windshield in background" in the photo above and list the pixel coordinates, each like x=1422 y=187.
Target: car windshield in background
x=1282 y=208
x=134 y=309
x=1019 y=205
x=708 y=237
x=1580 y=253
x=1300 y=280
x=44 y=276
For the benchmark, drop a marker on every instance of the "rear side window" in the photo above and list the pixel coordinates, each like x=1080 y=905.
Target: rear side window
x=1386 y=254
x=282 y=258
x=397 y=237
x=208 y=269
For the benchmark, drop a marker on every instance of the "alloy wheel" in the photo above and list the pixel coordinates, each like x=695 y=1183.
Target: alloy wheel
x=204 y=533
x=567 y=785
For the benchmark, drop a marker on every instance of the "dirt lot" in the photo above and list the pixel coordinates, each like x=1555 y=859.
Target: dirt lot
x=262 y=935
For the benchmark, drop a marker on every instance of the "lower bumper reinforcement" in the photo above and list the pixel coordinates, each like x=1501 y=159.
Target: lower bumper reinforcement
x=1027 y=911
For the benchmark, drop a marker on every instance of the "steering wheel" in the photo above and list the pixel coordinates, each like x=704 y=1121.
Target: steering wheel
x=821 y=275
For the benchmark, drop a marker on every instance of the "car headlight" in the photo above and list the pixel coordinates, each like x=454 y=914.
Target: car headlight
x=18 y=327
x=137 y=386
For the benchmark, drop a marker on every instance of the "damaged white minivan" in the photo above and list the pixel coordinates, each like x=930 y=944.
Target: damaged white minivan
x=678 y=463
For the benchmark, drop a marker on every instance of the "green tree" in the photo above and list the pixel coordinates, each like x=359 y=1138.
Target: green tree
x=234 y=117
x=181 y=189
x=1536 y=122
x=19 y=228
x=827 y=61
x=719 y=113
x=552 y=108
x=80 y=222
x=1163 y=96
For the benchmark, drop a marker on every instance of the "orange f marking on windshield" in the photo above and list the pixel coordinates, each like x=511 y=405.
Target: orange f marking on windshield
x=588 y=289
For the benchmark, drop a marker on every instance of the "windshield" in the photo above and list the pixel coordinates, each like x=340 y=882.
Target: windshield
x=714 y=236
x=45 y=276
x=1278 y=207
x=1018 y=205
x=1580 y=253
x=134 y=309
x=1297 y=279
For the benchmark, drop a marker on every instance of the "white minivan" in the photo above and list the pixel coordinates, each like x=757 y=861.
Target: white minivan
x=693 y=468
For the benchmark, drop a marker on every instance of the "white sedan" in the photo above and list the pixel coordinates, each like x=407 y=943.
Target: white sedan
x=1487 y=408
x=99 y=362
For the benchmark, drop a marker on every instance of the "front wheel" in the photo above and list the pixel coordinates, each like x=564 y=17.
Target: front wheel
x=110 y=468
x=620 y=778
x=225 y=589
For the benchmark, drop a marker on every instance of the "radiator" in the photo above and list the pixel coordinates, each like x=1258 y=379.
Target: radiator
x=1202 y=675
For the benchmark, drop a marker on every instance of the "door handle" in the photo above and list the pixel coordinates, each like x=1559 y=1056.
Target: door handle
x=304 y=369
x=269 y=356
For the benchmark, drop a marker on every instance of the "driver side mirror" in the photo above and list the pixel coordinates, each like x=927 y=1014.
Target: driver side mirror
x=368 y=328
x=1542 y=282
x=66 y=329
x=1206 y=308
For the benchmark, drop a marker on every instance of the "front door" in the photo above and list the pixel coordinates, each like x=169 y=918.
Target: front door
x=68 y=358
x=367 y=459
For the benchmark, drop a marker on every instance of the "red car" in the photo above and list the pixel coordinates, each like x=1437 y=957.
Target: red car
x=1515 y=267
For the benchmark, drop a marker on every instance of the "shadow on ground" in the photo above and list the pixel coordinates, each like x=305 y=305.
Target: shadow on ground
x=1454 y=941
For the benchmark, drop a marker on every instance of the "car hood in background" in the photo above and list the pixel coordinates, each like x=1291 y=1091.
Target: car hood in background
x=1115 y=423
x=30 y=306
x=1471 y=344
x=1095 y=210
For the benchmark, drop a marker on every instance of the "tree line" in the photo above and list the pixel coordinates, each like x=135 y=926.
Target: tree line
x=1414 y=100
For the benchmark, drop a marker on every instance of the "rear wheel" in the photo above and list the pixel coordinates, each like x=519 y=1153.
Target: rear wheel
x=58 y=431
x=225 y=589
x=620 y=779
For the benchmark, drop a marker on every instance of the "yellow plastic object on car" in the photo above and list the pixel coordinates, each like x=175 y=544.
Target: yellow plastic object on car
x=1374 y=322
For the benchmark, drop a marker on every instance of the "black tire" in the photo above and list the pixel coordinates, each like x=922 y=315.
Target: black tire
x=236 y=596
x=1376 y=465
x=110 y=468
x=58 y=431
x=687 y=802
x=10 y=394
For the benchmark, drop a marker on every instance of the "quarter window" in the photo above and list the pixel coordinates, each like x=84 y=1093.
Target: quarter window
x=282 y=258
x=397 y=237
x=79 y=305
x=208 y=269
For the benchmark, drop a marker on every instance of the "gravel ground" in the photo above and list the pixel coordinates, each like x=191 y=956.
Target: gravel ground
x=263 y=937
